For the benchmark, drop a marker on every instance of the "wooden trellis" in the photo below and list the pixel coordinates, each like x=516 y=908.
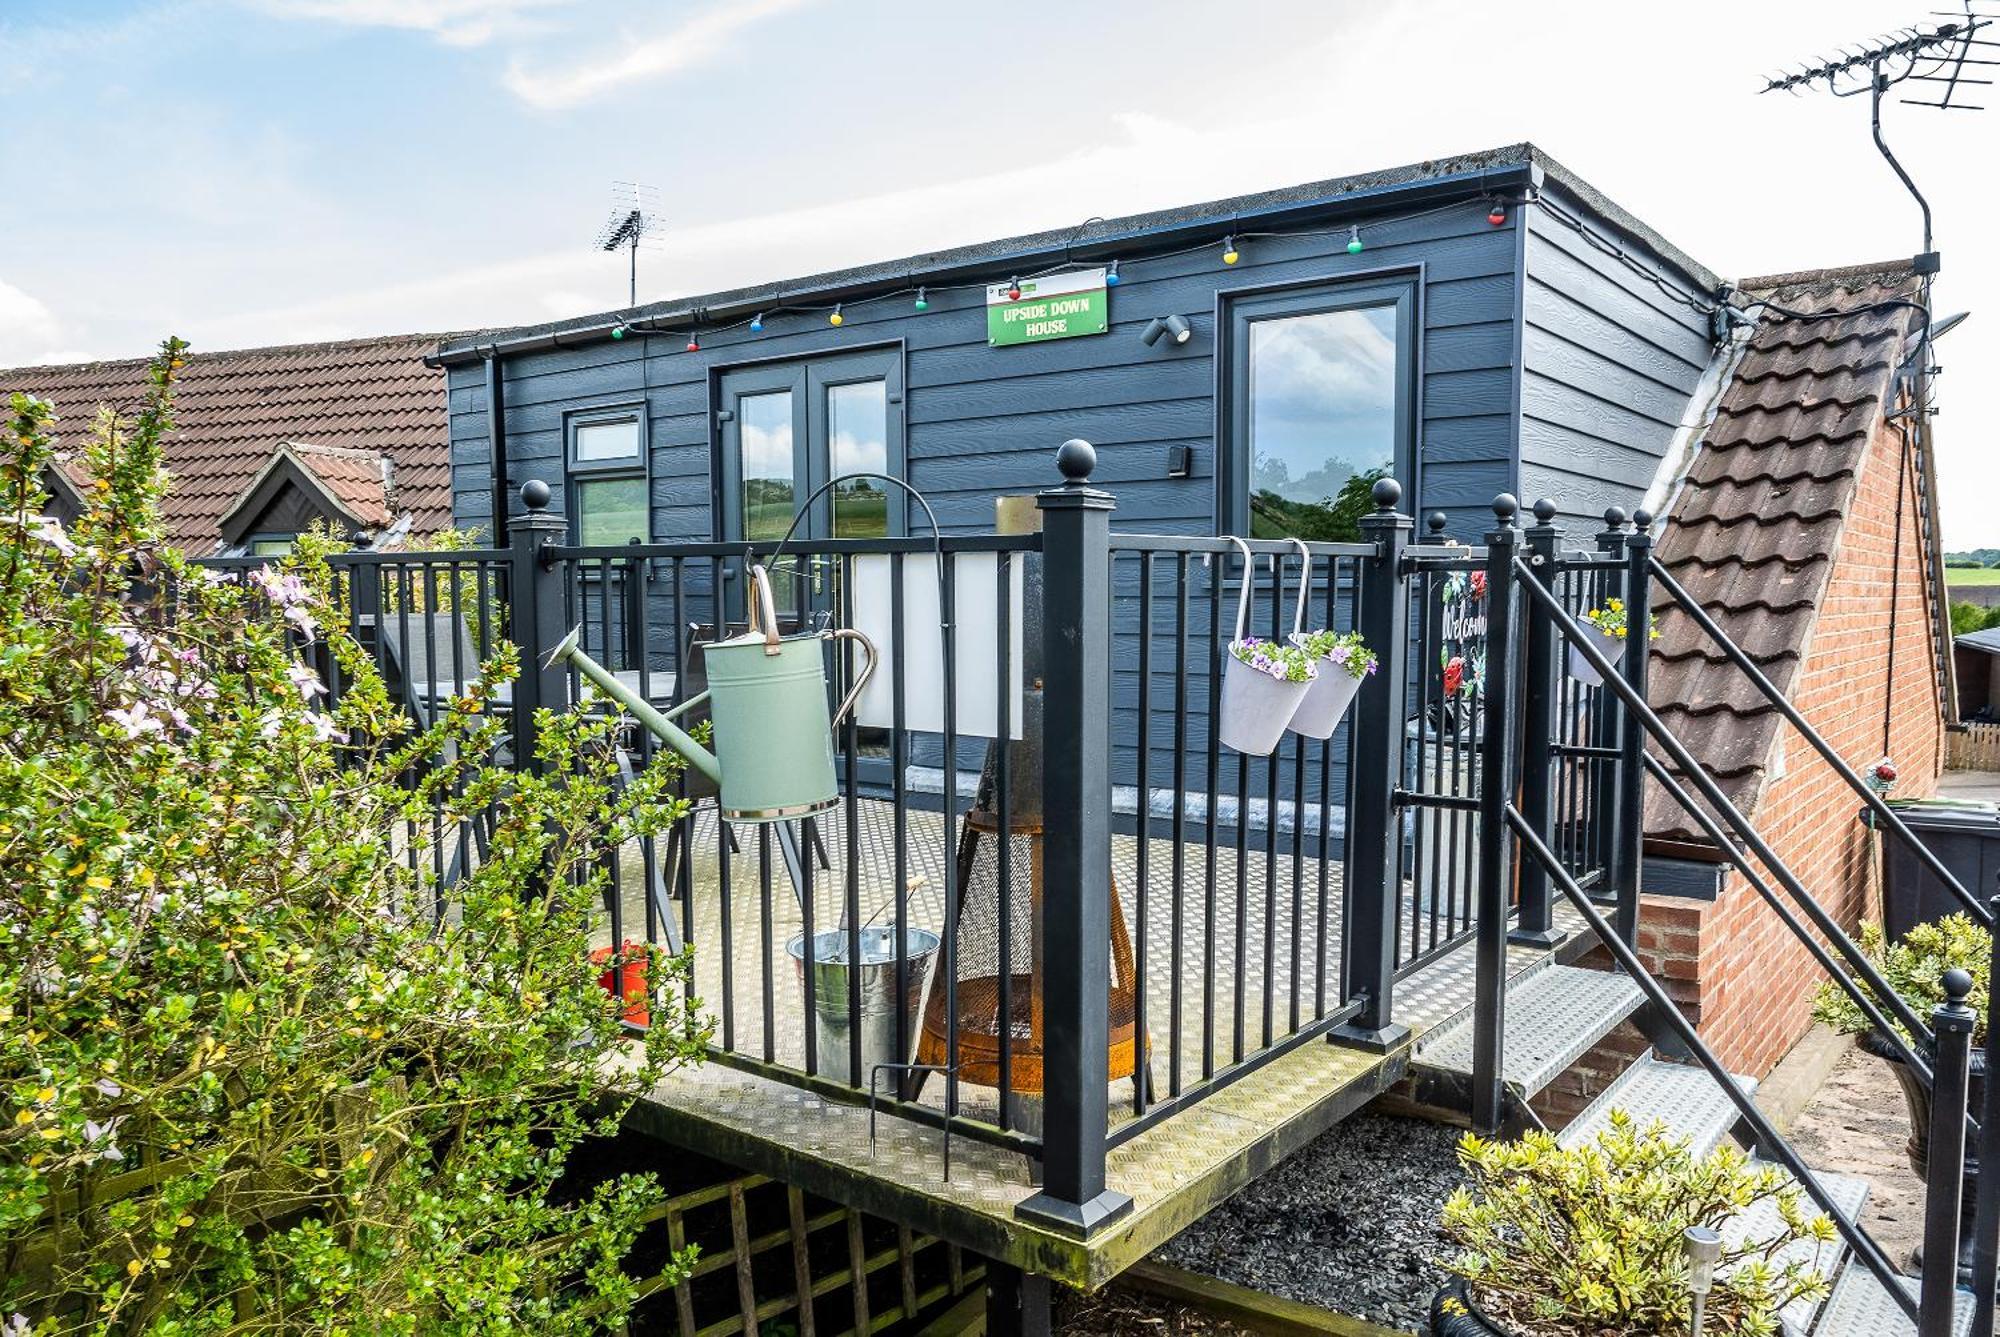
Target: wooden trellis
x=848 y=1274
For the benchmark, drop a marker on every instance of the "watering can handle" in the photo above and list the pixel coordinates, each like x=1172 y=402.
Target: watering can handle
x=760 y=600
x=861 y=679
x=1305 y=586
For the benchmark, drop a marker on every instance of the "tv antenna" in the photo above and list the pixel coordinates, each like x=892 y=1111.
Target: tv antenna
x=634 y=221
x=1945 y=57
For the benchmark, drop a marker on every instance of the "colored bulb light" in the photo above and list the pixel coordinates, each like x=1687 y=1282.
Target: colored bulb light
x=836 y=318
x=1229 y=252
x=1497 y=215
x=1111 y=275
x=922 y=303
x=757 y=323
x=694 y=344
x=1013 y=290
x=618 y=331
x=1354 y=246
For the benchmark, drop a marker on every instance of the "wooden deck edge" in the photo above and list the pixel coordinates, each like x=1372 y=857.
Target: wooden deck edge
x=1262 y=1313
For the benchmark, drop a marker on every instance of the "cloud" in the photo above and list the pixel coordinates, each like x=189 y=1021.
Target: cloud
x=692 y=44
x=28 y=329
x=453 y=22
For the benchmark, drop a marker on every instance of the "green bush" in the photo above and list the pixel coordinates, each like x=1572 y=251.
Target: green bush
x=1914 y=967
x=257 y=1072
x=1577 y=1242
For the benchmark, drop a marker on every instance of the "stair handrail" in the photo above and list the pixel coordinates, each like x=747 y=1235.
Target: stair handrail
x=1768 y=1137
x=1639 y=709
x=1769 y=690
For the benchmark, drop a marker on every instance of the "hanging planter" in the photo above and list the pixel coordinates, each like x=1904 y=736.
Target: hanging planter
x=1341 y=660
x=1606 y=626
x=1263 y=682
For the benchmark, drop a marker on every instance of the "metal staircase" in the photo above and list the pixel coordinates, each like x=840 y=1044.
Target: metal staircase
x=1521 y=1035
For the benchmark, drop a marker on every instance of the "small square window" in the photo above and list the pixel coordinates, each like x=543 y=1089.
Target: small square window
x=273 y=546
x=617 y=439
x=610 y=510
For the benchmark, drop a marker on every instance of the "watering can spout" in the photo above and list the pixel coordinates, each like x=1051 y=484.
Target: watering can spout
x=657 y=722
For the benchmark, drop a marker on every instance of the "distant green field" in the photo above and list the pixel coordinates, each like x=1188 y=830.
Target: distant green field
x=1972 y=575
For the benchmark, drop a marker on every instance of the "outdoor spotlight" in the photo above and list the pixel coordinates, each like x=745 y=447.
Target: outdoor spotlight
x=1704 y=1248
x=1174 y=328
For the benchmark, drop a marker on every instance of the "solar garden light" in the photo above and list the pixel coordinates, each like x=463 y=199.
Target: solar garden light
x=1704 y=1248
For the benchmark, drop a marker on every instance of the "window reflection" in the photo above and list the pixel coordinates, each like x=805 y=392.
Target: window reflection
x=1322 y=420
x=858 y=441
x=769 y=485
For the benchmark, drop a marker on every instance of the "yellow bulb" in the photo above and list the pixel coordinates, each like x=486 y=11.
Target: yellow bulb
x=1230 y=257
x=835 y=319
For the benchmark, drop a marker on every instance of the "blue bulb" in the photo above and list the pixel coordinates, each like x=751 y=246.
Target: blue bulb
x=1111 y=275
x=757 y=324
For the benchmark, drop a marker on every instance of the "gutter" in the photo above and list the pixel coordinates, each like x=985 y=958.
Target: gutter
x=855 y=285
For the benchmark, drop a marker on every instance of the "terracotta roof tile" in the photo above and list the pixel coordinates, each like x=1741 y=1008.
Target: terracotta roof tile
x=1753 y=532
x=232 y=410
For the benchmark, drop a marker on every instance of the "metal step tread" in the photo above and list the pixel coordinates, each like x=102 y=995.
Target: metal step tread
x=1553 y=1018
x=1860 y=1307
x=1762 y=1223
x=1686 y=1099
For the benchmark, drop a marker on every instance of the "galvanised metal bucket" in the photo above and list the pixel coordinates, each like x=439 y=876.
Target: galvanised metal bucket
x=832 y=975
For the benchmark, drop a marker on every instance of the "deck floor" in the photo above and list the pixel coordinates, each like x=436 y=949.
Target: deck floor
x=1174 y=1171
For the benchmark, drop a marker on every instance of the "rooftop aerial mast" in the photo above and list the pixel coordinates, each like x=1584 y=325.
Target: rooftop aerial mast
x=635 y=221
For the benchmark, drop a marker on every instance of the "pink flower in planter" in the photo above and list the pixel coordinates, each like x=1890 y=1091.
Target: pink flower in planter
x=1454 y=674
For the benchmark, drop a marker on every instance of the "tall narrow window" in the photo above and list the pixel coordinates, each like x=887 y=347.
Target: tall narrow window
x=1320 y=407
x=608 y=499
x=770 y=490
x=858 y=442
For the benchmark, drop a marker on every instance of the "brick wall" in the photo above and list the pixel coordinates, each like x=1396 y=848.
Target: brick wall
x=1743 y=975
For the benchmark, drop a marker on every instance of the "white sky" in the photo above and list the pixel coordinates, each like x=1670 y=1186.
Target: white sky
x=247 y=172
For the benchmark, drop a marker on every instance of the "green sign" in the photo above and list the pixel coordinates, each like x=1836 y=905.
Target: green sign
x=1058 y=306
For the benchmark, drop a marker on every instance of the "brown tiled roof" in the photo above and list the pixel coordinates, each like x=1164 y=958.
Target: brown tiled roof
x=357 y=478
x=1753 y=533
x=233 y=409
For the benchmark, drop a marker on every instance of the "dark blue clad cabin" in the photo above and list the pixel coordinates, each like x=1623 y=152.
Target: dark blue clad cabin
x=1250 y=366
x=1470 y=325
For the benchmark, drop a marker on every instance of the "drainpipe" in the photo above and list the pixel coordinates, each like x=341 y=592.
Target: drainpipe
x=496 y=442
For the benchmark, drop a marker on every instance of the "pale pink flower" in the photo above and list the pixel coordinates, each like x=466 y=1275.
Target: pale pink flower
x=137 y=721
x=306 y=681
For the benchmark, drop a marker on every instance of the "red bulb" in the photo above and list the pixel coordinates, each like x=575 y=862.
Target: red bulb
x=693 y=345
x=1013 y=294
x=1497 y=215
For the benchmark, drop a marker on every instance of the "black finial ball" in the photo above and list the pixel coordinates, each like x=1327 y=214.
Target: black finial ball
x=1387 y=492
x=1614 y=517
x=1642 y=519
x=1957 y=985
x=535 y=494
x=1075 y=458
x=1545 y=510
x=1505 y=507
x=1437 y=521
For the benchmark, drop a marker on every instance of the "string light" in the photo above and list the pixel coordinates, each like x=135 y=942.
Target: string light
x=757 y=323
x=1229 y=254
x=922 y=303
x=618 y=331
x=1354 y=246
x=1013 y=290
x=1497 y=215
x=694 y=344
x=1111 y=275
x=836 y=318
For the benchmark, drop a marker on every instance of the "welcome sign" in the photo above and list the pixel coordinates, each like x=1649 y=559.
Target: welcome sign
x=1059 y=306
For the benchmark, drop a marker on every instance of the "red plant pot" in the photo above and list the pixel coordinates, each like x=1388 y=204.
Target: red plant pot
x=625 y=979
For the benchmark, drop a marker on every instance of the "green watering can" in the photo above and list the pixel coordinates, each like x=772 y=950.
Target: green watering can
x=773 y=758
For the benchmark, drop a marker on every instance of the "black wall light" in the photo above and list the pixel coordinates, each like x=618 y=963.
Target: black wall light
x=1174 y=328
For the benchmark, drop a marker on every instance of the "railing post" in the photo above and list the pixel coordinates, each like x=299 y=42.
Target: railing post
x=1630 y=861
x=1496 y=845
x=1605 y=725
x=1076 y=851
x=1374 y=832
x=1952 y=1022
x=1536 y=925
x=1985 y=1249
x=535 y=615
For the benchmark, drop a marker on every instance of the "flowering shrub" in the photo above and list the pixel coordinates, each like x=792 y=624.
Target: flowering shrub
x=259 y=1069
x=1345 y=648
x=1286 y=663
x=1579 y=1241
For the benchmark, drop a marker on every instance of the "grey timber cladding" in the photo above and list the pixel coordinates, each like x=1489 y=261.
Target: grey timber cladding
x=983 y=421
x=1609 y=364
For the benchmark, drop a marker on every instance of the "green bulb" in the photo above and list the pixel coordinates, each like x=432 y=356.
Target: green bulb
x=922 y=305
x=618 y=331
x=1354 y=246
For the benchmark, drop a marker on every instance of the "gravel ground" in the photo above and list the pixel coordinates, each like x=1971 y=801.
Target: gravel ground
x=1858 y=1125
x=1350 y=1224
x=1117 y=1311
